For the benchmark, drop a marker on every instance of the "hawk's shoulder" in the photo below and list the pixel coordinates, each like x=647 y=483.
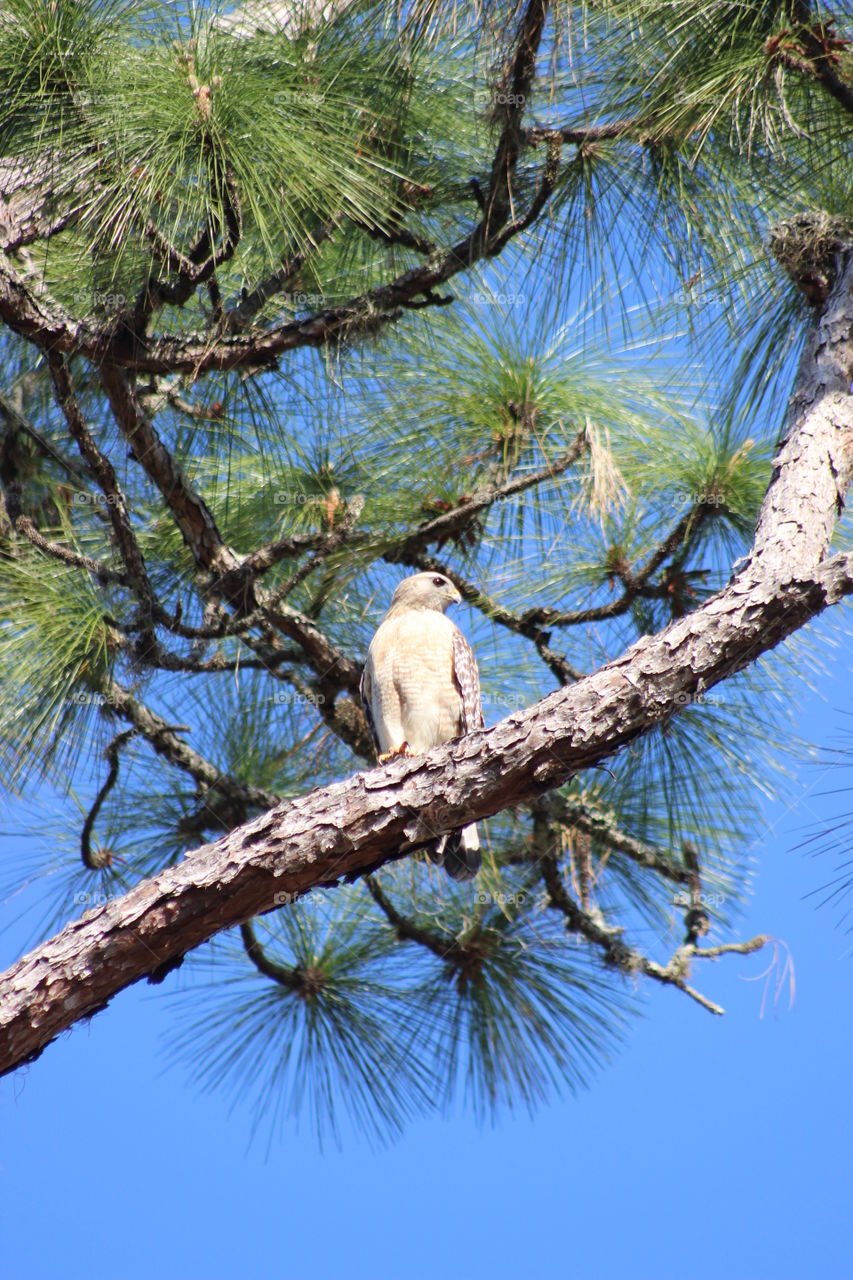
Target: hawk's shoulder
x=365 y=689
x=467 y=679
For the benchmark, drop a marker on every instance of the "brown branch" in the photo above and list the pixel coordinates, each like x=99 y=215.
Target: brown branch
x=92 y=859
x=196 y=268
x=103 y=471
x=272 y=553
x=164 y=660
x=328 y=662
x=636 y=582
x=399 y=235
x=333 y=669
x=286 y=976
x=355 y=826
x=804 y=500
x=323 y=544
x=731 y=948
x=820 y=45
x=225 y=625
x=636 y=129
x=45 y=321
x=452 y=523
x=543 y=195
x=103 y=572
x=696 y=919
x=191 y=514
x=189 y=267
x=240 y=316
x=444 y=948
x=629 y=960
x=516 y=82
x=164 y=738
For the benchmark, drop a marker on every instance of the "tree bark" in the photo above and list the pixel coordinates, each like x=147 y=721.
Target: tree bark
x=352 y=827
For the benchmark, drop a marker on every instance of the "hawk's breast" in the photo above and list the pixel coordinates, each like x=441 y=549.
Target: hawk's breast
x=414 y=691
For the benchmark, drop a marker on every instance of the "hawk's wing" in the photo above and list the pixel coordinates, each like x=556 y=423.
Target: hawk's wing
x=467 y=680
x=365 y=688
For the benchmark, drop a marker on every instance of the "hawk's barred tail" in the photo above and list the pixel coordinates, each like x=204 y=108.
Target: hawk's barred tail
x=458 y=853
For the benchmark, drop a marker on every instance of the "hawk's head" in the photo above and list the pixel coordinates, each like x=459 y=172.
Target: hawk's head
x=425 y=591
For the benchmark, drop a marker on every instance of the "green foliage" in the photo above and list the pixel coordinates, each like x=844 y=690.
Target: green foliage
x=646 y=318
x=359 y=1025
x=55 y=657
x=341 y=1036
x=173 y=115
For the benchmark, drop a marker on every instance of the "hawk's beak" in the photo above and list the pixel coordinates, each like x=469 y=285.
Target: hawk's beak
x=457 y=598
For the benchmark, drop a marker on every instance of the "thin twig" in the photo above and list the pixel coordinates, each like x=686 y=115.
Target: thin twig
x=625 y=958
x=407 y=931
x=285 y=975
x=636 y=582
x=96 y=861
x=103 y=572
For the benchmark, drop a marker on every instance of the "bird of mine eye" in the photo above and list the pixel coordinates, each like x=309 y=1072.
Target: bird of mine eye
x=420 y=687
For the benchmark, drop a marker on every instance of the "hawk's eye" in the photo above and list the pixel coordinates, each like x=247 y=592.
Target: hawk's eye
x=438 y=582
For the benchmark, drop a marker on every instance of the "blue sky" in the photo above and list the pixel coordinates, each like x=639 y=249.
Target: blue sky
x=711 y=1147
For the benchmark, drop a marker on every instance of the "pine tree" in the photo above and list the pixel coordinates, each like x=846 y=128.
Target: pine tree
x=297 y=300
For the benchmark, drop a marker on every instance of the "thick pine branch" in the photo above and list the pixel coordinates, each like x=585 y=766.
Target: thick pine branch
x=353 y=827
x=104 y=573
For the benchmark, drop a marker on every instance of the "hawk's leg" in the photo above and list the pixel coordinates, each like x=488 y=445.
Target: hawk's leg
x=403 y=750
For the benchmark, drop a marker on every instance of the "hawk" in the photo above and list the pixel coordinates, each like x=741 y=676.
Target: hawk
x=420 y=687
